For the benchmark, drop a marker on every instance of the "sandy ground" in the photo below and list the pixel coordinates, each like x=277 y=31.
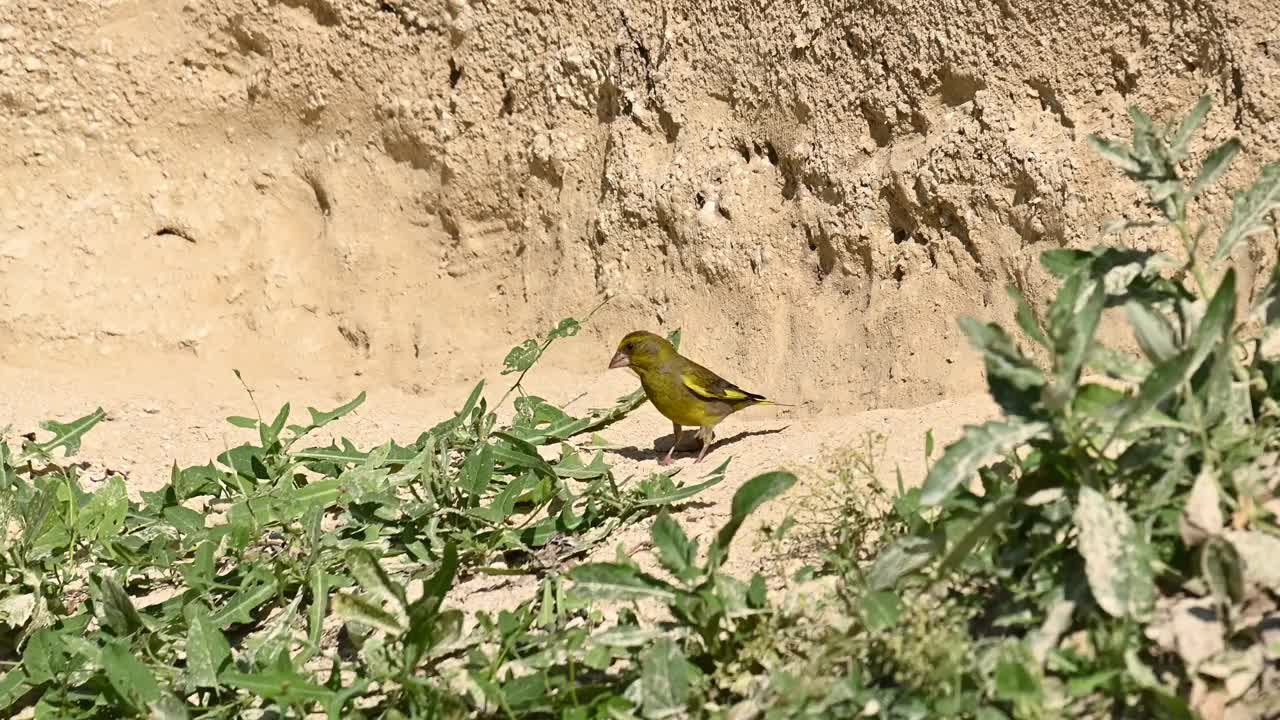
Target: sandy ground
x=176 y=412
x=346 y=195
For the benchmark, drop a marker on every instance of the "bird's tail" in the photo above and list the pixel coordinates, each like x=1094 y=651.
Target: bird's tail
x=763 y=401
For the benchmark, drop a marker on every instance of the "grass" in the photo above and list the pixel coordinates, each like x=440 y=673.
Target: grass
x=1104 y=549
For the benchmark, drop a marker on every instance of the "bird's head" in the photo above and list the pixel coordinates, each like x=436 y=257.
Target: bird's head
x=642 y=351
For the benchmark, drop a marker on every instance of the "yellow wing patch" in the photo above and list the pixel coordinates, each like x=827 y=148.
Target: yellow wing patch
x=728 y=392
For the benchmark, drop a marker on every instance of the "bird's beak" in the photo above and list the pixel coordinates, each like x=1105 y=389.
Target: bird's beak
x=619 y=361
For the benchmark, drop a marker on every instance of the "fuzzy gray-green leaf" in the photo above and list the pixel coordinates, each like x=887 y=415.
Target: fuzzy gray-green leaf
x=664 y=679
x=610 y=581
x=1152 y=331
x=962 y=458
x=1119 y=155
x=1180 y=143
x=676 y=551
x=1169 y=375
x=1251 y=210
x=1214 y=166
x=903 y=557
x=207 y=649
x=352 y=608
x=1118 y=558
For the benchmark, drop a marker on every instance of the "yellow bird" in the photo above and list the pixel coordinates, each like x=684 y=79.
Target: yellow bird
x=682 y=390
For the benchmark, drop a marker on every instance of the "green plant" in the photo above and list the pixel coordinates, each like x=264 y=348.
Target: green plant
x=279 y=575
x=713 y=614
x=1115 y=559
x=1104 y=525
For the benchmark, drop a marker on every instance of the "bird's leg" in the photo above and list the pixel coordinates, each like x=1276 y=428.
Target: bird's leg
x=707 y=434
x=674 y=442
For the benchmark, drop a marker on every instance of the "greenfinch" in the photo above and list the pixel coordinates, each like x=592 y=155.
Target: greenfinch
x=682 y=390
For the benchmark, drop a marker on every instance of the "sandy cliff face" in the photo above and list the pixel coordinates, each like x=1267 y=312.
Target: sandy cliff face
x=813 y=190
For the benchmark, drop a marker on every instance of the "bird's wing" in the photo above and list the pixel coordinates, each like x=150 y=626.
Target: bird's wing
x=709 y=386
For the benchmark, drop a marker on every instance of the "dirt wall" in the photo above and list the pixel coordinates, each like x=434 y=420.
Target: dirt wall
x=813 y=190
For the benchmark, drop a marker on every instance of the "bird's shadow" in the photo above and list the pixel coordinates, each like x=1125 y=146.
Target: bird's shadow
x=689 y=444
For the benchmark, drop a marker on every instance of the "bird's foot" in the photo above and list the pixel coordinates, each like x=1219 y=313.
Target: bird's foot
x=665 y=460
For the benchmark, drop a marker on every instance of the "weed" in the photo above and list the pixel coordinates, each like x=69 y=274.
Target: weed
x=1106 y=548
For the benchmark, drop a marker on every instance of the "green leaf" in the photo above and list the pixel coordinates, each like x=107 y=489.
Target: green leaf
x=1118 y=558
x=1152 y=331
x=1116 y=364
x=503 y=504
x=664 y=679
x=282 y=684
x=320 y=418
x=430 y=639
x=256 y=589
x=1074 y=326
x=1097 y=401
x=270 y=434
x=207 y=648
x=183 y=519
x=340 y=456
x=368 y=572
x=1117 y=154
x=901 y=558
x=68 y=435
x=677 y=554
x=113 y=607
x=679 y=495
x=992 y=516
x=1065 y=262
x=516 y=453
x=426 y=626
x=241 y=421
x=103 y=518
x=1168 y=376
x=1026 y=317
x=351 y=608
x=477 y=471
x=132 y=680
x=448 y=426
x=199 y=573
x=1223 y=570
x=1180 y=143
x=322 y=493
x=1015 y=381
x=1214 y=166
x=755 y=492
x=1083 y=686
x=1251 y=210
x=192 y=481
x=13 y=685
x=521 y=357
x=1014 y=682
x=8 y=478
x=438 y=585
x=45 y=657
x=168 y=707
x=319 y=588
x=611 y=581
x=962 y=458
x=881 y=610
